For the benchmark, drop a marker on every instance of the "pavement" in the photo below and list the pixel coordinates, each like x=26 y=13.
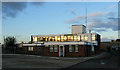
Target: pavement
x=33 y=61
x=111 y=61
x=18 y=61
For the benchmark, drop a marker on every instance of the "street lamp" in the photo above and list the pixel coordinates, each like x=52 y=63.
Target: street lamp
x=101 y=62
x=25 y=50
x=14 y=49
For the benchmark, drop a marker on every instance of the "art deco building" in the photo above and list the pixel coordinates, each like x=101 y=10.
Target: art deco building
x=79 y=43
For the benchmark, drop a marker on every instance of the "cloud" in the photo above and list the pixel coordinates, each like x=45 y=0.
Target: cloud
x=111 y=14
x=11 y=9
x=112 y=6
x=95 y=14
x=99 y=30
x=111 y=23
x=79 y=19
x=98 y=21
x=107 y=39
x=76 y=19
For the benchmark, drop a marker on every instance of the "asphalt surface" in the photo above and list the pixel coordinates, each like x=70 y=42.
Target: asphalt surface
x=109 y=62
x=33 y=61
x=29 y=62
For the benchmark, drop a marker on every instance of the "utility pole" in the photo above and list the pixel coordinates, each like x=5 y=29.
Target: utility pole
x=86 y=20
x=101 y=62
x=118 y=20
x=86 y=17
x=25 y=49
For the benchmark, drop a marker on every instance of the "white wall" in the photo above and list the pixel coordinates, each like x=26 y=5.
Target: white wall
x=78 y=29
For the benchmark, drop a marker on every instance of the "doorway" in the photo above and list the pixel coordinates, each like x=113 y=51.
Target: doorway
x=61 y=51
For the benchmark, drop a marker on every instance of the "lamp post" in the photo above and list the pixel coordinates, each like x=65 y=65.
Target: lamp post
x=25 y=50
x=37 y=49
x=14 y=49
x=101 y=62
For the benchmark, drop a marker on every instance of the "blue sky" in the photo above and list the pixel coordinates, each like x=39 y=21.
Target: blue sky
x=27 y=18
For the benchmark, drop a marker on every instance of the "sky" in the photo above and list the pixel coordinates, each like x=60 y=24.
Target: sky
x=23 y=19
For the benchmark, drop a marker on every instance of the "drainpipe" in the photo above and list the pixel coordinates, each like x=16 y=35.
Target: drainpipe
x=85 y=48
x=63 y=50
x=37 y=49
x=14 y=50
x=25 y=50
x=59 y=50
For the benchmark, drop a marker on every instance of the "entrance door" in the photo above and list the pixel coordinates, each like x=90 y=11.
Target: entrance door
x=61 y=50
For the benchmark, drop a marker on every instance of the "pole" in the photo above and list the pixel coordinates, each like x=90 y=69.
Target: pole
x=25 y=50
x=14 y=50
x=86 y=17
x=102 y=60
x=86 y=20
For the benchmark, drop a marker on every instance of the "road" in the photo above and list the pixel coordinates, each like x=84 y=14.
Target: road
x=20 y=61
x=33 y=61
x=109 y=62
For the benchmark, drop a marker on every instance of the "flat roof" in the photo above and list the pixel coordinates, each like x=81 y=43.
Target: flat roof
x=59 y=43
x=32 y=44
x=79 y=25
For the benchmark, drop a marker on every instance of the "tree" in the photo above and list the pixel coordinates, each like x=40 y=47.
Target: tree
x=10 y=43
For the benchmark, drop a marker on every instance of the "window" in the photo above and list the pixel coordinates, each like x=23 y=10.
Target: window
x=46 y=38
x=51 y=48
x=82 y=37
x=55 y=48
x=65 y=38
x=62 y=38
x=50 y=38
x=78 y=38
x=30 y=48
x=93 y=37
x=35 y=39
x=43 y=39
x=53 y=39
x=56 y=38
x=86 y=37
x=76 y=48
x=73 y=48
x=75 y=38
x=70 y=48
x=70 y=38
x=39 y=39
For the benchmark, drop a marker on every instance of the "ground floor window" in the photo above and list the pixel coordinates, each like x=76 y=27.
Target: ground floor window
x=30 y=48
x=70 y=48
x=73 y=48
x=53 y=48
x=76 y=48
